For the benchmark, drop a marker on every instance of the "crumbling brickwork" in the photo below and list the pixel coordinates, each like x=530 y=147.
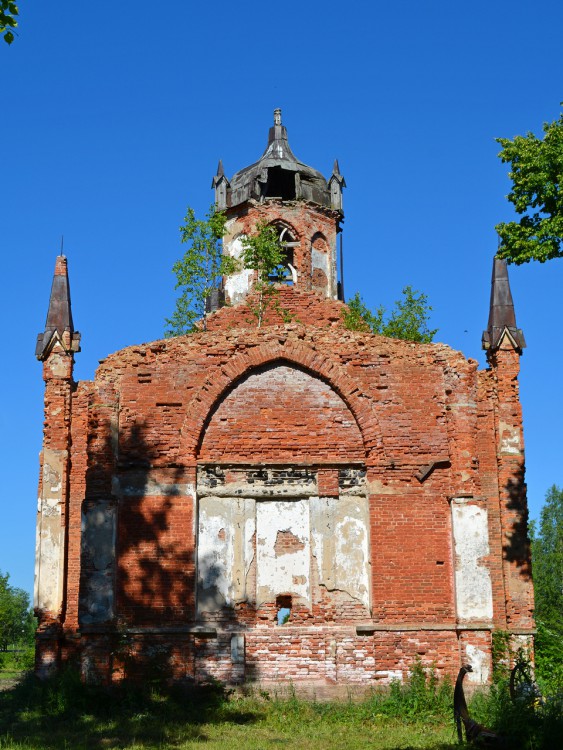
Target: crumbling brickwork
x=291 y=501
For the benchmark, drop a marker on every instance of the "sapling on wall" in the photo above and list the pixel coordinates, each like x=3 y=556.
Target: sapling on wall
x=199 y=270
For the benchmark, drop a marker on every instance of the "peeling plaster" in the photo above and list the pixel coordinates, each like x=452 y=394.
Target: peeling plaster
x=237 y=284
x=225 y=551
x=319 y=259
x=480 y=661
x=290 y=572
x=474 y=595
x=340 y=545
x=509 y=439
x=49 y=549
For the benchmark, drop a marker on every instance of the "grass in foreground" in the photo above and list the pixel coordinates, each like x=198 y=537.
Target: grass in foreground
x=63 y=713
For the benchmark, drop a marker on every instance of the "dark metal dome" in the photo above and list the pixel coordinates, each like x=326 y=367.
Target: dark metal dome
x=279 y=174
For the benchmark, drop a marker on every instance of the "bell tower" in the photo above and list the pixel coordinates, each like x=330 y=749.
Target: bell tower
x=298 y=201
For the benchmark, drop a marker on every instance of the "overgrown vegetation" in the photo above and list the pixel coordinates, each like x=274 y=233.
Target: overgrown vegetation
x=527 y=723
x=408 y=320
x=262 y=252
x=199 y=270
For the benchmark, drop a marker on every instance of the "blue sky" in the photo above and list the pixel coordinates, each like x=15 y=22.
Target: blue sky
x=113 y=123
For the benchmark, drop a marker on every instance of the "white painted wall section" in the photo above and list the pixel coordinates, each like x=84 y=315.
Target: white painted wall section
x=281 y=573
x=474 y=594
x=237 y=284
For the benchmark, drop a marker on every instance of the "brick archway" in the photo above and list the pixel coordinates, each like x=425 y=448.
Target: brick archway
x=203 y=403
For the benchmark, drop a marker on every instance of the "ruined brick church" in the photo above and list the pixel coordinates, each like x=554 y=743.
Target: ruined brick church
x=295 y=501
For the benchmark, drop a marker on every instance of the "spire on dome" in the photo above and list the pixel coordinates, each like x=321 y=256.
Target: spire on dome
x=220 y=185
x=336 y=184
x=278 y=174
x=502 y=318
x=59 y=327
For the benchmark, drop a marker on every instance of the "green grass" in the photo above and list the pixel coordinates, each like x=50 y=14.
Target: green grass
x=63 y=713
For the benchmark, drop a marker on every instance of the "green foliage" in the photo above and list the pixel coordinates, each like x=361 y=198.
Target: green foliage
x=263 y=253
x=199 y=270
x=15 y=616
x=8 y=19
x=547 y=566
x=423 y=696
x=524 y=724
x=408 y=320
x=501 y=655
x=536 y=171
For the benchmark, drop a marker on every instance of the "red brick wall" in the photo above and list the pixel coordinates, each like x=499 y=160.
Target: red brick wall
x=305 y=221
x=421 y=418
x=281 y=413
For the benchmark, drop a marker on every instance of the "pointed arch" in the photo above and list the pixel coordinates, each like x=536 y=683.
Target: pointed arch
x=298 y=354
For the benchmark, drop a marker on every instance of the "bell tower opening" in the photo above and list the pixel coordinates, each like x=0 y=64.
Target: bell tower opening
x=280 y=184
x=285 y=273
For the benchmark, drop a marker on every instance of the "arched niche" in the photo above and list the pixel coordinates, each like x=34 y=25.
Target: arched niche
x=279 y=412
x=320 y=264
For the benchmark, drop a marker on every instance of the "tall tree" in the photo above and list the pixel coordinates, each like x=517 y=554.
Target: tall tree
x=536 y=171
x=15 y=613
x=408 y=319
x=547 y=560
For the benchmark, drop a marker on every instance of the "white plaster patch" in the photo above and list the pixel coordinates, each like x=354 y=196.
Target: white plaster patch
x=509 y=439
x=289 y=572
x=479 y=660
x=49 y=548
x=225 y=551
x=474 y=594
x=351 y=554
x=215 y=554
x=340 y=544
x=237 y=284
x=319 y=259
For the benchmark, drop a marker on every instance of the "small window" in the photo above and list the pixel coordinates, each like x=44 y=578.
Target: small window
x=283 y=609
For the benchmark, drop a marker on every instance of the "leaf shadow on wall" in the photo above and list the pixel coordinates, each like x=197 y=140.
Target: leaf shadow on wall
x=154 y=560
x=516 y=543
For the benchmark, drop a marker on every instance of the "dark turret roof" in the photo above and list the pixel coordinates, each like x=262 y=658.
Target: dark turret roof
x=502 y=318
x=256 y=180
x=59 y=316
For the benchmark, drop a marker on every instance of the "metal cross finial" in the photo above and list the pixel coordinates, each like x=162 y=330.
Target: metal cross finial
x=277 y=116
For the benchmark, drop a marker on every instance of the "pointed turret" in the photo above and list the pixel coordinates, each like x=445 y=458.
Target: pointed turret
x=220 y=185
x=336 y=184
x=502 y=319
x=59 y=327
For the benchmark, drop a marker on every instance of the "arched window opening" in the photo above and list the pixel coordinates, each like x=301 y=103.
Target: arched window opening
x=319 y=264
x=285 y=273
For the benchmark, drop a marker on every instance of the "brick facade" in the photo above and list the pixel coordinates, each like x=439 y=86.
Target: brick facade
x=371 y=487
